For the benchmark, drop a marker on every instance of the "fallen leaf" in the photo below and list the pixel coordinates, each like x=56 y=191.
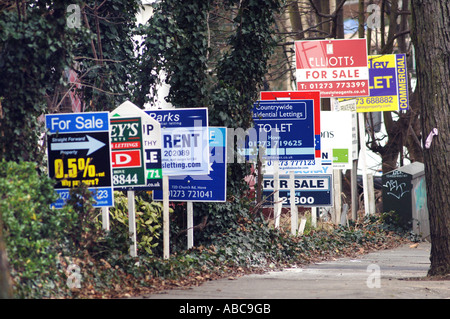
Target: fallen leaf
x=414 y=245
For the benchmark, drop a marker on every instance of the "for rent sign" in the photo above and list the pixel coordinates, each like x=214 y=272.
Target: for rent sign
x=184 y=138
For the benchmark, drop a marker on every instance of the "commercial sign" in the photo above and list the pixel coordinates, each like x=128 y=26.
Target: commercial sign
x=285 y=129
x=296 y=95
x=127 y=152
x=203 y=188
x=337 y=68
x=184 y=138
x=151 y=136
x=310 y=190
x=388 y=84
x=78 y=149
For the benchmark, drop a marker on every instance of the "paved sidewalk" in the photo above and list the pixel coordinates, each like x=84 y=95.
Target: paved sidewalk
x=383 y=274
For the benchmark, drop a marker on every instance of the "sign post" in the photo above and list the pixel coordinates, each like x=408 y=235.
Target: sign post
x=166 y=216
x=362 y=157
x=202 y=188
x=78 y=149
x=136 y=140
x=284 y=97
x=294 y=211
x=185 y=150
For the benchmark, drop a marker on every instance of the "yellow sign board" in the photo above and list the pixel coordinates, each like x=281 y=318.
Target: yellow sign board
x=388 y=84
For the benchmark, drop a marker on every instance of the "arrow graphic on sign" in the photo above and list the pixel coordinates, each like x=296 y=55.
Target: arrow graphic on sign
x=92 y=145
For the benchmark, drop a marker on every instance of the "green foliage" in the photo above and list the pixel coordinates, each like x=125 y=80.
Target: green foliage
x=28 y=223
x=148 y=220
x=35 y=47
x=176 y=41
x=105 y=58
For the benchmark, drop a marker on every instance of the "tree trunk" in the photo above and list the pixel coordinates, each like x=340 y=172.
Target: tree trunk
x=5 y=279
x=431 y=36
x=296 y=21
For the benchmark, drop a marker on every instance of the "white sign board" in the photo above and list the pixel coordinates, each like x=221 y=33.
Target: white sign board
x=336 y=138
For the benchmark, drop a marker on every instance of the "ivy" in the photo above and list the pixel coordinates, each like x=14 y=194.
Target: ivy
x=35 y=46
x=175 y=42
x=179 y=40
x=105 y=57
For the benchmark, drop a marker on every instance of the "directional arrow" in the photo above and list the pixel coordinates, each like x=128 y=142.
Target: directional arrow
x=91 y=145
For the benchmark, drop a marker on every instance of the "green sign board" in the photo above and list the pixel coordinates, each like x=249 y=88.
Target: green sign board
x=127 y=152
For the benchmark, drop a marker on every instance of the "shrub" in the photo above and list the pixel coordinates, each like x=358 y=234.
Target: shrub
x=25 y=199
x=148 y=220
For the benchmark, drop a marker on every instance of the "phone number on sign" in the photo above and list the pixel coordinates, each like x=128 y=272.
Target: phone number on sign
x=375 y=100
x=332 y=85
x=190 y=193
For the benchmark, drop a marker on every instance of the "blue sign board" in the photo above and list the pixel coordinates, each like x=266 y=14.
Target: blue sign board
x=203 y=188
x=310 y=190
x=79 y=152
x=184 y=139
x=285 y=128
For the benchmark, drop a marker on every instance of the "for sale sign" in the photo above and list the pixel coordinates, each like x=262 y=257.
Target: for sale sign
x=310 y=190
x=337 y=68
x=78 y=149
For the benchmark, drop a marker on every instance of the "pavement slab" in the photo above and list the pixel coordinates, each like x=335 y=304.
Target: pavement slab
x=398 y=273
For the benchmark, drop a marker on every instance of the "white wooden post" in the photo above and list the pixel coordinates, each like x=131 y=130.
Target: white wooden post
x=371 y=193
x=363 y=161
x=190 y=225
x=294 y=211
x=105 y=218
x=166 y=248
x=301 y=228
x=314 y=216
x=337 y=195
x=276 y=195
x=132 y=223
x=354 y=186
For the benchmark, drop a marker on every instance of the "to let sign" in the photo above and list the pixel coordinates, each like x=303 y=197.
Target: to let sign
x=78 y=149
x=388 y=84
x=285 y=128
x=337 y=68
x=299 y=95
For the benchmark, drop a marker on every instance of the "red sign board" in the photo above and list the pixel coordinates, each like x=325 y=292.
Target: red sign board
x=337 y=68
x=298 y=95
x=127 y=158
